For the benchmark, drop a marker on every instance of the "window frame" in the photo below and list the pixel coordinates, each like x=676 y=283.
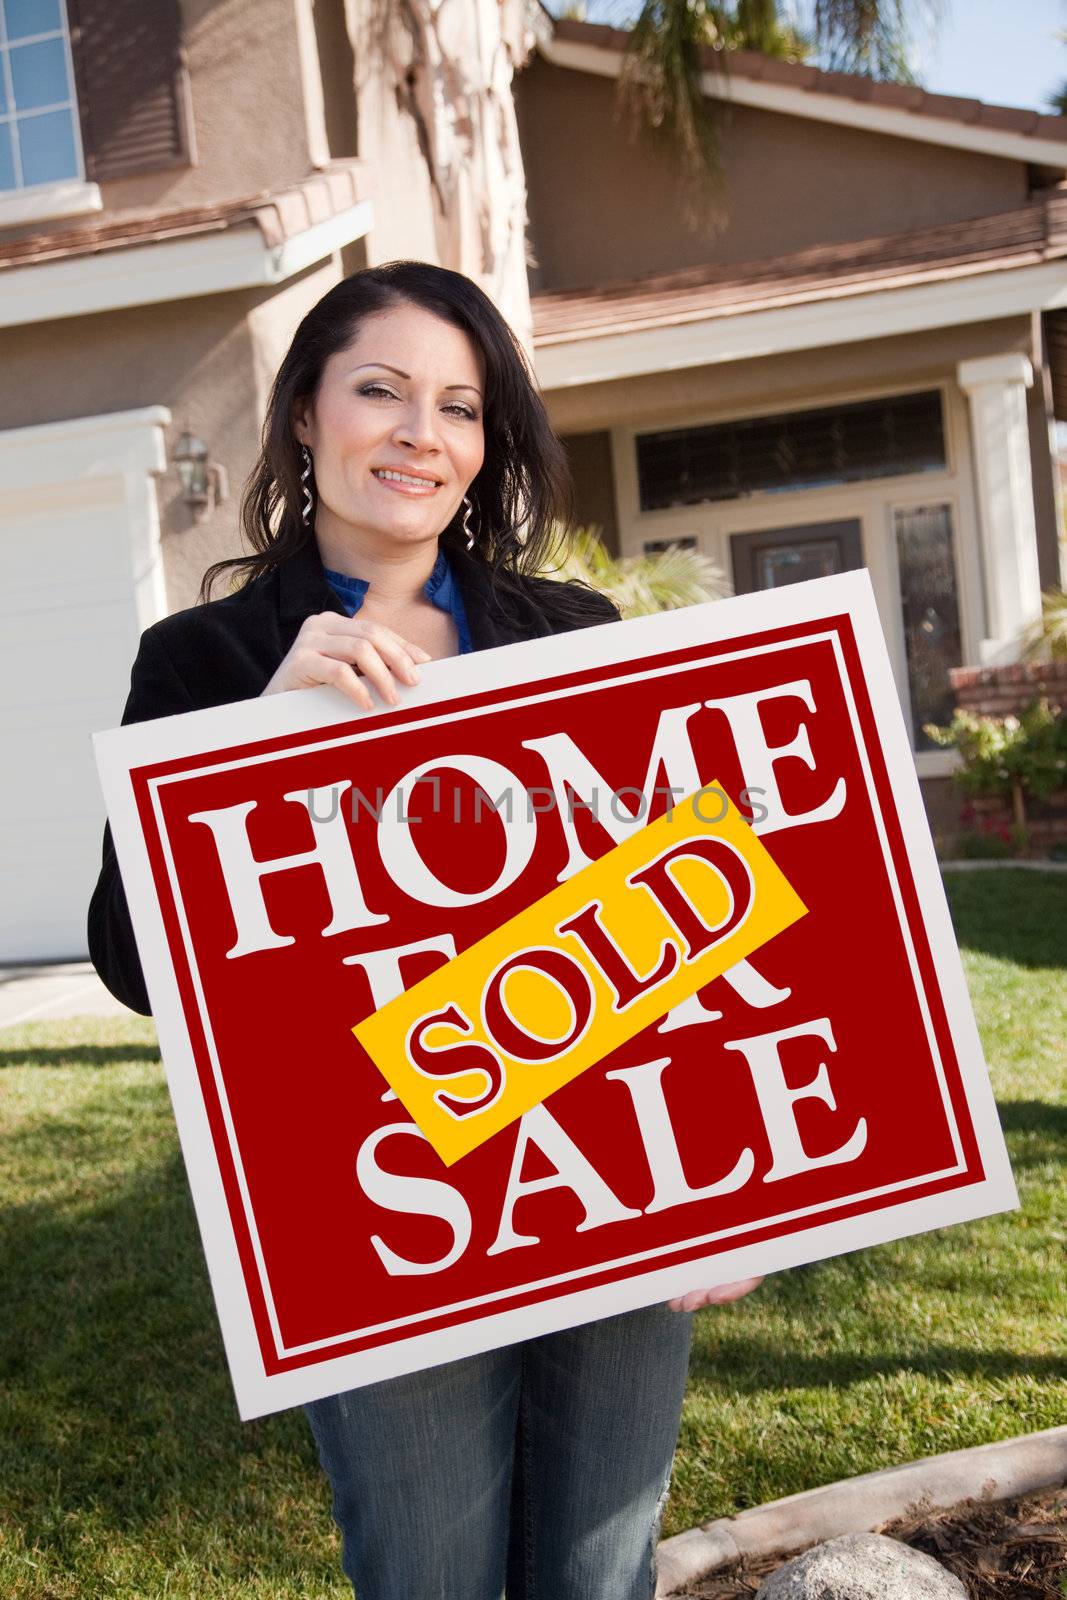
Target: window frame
x=713 y=522
x=822 y=404
x=56 y=197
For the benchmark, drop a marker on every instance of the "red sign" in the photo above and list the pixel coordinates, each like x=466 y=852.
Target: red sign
x=292 y=868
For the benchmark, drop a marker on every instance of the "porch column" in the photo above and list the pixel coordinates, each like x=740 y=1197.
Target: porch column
x=996 y=387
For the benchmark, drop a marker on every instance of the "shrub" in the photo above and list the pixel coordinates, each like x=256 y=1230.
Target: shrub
x=1013 y=758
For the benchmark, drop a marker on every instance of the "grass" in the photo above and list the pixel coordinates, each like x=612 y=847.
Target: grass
x=123 y=1469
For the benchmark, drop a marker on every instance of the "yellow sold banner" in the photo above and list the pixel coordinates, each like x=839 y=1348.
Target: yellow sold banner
x=557 y=988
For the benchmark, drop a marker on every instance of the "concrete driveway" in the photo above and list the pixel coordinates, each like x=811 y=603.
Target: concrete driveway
x=40 y=994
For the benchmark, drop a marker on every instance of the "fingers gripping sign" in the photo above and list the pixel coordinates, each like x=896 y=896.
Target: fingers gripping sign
x=350 y=654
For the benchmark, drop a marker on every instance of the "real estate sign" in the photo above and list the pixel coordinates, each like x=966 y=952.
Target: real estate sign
x=604 y=967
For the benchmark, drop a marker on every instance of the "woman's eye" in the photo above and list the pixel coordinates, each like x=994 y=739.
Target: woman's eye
x=456 y=408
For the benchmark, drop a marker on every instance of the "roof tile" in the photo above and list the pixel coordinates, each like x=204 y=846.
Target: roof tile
x=278 y=217
x=1031 y=234
x=901 y=96
x=1008 y=119
x=790 y=73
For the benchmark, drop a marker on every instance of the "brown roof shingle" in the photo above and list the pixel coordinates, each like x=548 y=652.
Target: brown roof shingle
x=278 y=216
x=1034 y=233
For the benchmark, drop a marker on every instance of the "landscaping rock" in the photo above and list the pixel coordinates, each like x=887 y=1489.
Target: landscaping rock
x=862 y=1566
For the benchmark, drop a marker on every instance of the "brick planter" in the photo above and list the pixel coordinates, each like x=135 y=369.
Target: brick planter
x=1006 y=692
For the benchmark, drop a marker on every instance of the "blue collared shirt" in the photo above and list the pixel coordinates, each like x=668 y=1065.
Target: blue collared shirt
x=440 y=587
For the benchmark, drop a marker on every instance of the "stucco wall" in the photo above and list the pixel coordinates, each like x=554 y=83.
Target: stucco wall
x=798 y=378
x=248 y=109
x=601 y=207
x=589 y=458
x=209 y=360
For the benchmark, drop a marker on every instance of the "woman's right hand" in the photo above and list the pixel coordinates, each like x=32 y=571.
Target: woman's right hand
x=345 y=651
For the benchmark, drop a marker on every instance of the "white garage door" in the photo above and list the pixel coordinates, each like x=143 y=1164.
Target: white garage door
x=81 y=577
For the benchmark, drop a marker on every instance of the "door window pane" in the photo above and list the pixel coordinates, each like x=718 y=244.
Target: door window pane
x=39 y=74
x=24 y=18
x=930 y=605
x=775 y=557
x=794 y=563
x=47 y=146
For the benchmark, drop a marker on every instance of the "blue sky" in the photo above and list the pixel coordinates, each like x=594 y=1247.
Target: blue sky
x=975 y=51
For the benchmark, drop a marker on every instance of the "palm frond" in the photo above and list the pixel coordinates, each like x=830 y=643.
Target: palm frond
x=1046 y=639
x=659 y=85
x=871 y=37
x=758 y=25
x=639 y=585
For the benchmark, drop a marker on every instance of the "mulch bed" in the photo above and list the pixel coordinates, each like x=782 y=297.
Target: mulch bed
x=999 y=1550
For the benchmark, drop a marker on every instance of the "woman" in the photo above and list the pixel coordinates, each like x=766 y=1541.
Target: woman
x=403 y=448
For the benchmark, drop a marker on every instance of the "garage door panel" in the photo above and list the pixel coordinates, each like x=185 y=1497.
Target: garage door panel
x=72 y=549
x=46 y=667
x=46 y=600
x=54 y=779
x=43 y=559
x=80 y=621
x=53 y=906
x=67 y=725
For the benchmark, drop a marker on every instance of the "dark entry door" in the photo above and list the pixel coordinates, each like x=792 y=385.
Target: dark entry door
x=790 y=555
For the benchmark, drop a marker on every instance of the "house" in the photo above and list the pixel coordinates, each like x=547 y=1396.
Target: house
x=860 y=367
x=180 y=180
x=856 y=363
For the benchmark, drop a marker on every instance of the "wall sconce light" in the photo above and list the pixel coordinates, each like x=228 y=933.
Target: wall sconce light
x=204 y=483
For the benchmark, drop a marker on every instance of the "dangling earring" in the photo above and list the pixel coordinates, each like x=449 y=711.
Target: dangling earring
x=305 y=514
x=467 y=529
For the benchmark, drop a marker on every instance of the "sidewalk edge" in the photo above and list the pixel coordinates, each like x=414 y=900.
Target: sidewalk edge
x=996 y=1471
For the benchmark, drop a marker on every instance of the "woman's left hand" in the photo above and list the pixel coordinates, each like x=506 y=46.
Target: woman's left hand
x=722 y=1296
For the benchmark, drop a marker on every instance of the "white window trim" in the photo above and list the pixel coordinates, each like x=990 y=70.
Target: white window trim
x=71 y=198
x=624 y=458
x=872 y=501
x=818 y=403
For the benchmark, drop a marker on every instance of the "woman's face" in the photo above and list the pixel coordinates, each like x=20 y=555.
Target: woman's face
x=405 y=396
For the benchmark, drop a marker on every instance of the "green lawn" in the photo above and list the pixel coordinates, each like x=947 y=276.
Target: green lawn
x=123 y=1469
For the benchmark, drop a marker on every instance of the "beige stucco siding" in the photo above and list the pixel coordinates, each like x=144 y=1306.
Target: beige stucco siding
x=603 y=208
x=209 y=360
x=248 y=109
x=780 y=382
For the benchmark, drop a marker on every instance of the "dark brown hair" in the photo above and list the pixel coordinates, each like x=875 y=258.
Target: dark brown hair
x=524 y=487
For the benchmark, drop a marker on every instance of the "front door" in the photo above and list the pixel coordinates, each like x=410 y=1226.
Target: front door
x=771 y=559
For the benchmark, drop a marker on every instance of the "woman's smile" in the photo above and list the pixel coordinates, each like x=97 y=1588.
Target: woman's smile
x=405 y=483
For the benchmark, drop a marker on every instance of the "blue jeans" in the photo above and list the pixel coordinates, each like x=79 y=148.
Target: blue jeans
x=541 y=1468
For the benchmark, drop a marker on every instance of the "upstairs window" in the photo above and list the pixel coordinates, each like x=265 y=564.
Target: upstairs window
x=39 y=142
x=821 y=448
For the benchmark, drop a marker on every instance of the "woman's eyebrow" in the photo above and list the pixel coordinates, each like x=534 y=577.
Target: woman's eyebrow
x=401 y=374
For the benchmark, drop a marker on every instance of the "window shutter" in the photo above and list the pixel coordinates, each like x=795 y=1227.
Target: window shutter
x=133 y=90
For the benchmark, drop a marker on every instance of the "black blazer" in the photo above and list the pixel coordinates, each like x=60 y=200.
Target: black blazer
x=229 y=649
